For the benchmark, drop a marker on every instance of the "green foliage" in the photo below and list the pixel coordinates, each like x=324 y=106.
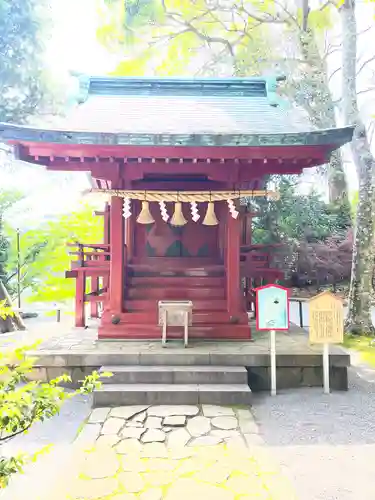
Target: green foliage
x=298 y=217
x=21 y=71
x=45 y=256
x=354 y=204
x=5 y=310
x=7 y=199
x=24 y=402
x=239 y=37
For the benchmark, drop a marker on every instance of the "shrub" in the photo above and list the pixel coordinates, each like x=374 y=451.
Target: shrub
x=23 y=403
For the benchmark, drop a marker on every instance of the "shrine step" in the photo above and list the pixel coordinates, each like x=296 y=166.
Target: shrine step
x=152 y=305
x=175 y=293
x=133 y=394
x=209 y=374
x=173 y=269
x=153 y=332
x=150 y=318
x=186 y=281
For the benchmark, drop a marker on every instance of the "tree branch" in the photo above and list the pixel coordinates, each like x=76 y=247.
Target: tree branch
x=364 y=91
x=364 y=64
x=334 y=73
x=269 y=19
x=176 y=17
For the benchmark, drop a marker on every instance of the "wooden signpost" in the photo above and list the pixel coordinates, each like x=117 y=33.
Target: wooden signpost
x=326 y=327
x=272 y=315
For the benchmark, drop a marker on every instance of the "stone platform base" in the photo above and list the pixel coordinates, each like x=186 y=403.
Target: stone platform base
x=79 y=352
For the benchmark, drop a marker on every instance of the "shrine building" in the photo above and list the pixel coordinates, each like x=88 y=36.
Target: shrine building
x=172 y=158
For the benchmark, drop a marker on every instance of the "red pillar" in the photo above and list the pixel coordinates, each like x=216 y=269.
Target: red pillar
x=80 y=300
x=106 y=238
x=232 y=258
x=117 y=264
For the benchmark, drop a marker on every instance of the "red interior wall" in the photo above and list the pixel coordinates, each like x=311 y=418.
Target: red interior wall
x=195 y=237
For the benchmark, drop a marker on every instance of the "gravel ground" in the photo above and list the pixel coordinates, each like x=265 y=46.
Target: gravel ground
x=324 y=443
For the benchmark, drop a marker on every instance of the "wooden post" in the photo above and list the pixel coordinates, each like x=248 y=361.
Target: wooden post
x=94 y=305
x=117 y=264
x=80 y=300
x=129 y=235
x=273 y=362
x=233 y=265
x=106 y=237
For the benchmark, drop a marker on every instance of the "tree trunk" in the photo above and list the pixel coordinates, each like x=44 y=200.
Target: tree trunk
x=13 y=322
x=313 y=94
x=359 y=320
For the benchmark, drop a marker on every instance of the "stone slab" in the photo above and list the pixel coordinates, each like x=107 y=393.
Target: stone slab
x=198 y=426
x=98 y=415
x=175 y=420
x=112 y=425
x=225 y=423
x=128 y=411
x=217 y=411
x=132 y=432
x=153 y=436
x=178 y=438
x=169 y=410
x=153 y=422
x=205 y=441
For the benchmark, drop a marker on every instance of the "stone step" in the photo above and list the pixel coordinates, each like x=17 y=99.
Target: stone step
x=211 y=374
x=134 y=394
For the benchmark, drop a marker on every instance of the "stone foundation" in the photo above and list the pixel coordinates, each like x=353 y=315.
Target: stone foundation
x=259 y=377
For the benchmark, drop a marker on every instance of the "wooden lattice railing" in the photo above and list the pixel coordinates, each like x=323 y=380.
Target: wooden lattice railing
x=91 y=272
x=258 y=269
x=90 y=255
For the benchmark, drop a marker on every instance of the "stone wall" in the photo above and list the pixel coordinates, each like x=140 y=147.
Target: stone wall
x=259 y=377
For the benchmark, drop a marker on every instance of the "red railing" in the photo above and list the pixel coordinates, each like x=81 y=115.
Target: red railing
x=92 y=266
x=90 y=255
x=258 y=269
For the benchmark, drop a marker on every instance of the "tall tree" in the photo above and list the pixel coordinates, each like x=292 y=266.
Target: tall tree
x=359 y=319
x=8 y=322
x=239 y=38
x=23 y=86
x=22 y=81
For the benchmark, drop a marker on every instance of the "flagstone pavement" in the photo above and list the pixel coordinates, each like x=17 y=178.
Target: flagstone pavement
x=172 y=453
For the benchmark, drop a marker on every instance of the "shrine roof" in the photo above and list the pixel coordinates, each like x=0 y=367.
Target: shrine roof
x=173 y=112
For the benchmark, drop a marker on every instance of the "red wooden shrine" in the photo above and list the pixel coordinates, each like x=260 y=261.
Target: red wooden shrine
x=173 y=135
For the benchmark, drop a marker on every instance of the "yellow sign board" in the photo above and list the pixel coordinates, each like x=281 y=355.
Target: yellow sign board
x=326 y=319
